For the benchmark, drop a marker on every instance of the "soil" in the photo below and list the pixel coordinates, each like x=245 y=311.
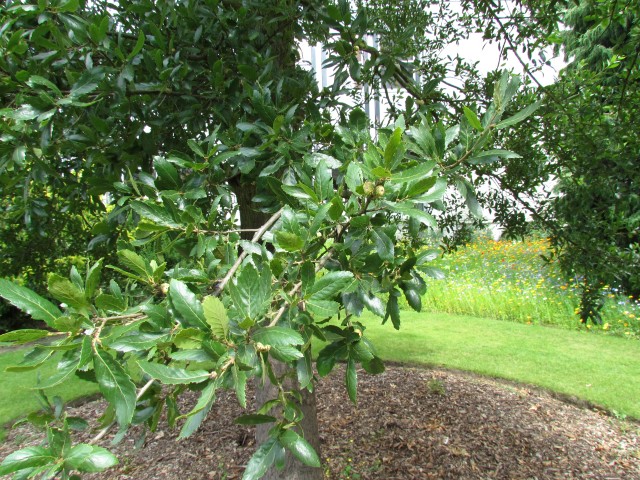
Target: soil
x=410 y=423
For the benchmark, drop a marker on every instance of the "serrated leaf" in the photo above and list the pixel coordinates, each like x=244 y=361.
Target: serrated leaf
x=89 y=458
x=173 y=375
x=110 y=303
x=29 y=302
x=93 y=279
x=216 y=316
x=322 y=308
x=116 y=386
x=64 y=370
x=412 y=212
x=134 y=262
x=29 y=457
x=251 y=292
x=240 y=382
x=289 y=241
x=187 y=305
x=394 y=150
x=64 y=290
x=277 y=336
x=384 y=245
x=138 y=46
x=393 y=311
x=138 y=341
x=520 y=116
x=328 y=356
x=18 y=337
x=473 y=119
x=261 y=460
x=155 y=213
x=374 y=366
x=198 y=414
x=167 y=174
x=351 y=381
x=353 y=178
x=330 y=284
x=299 y=447
x=419 y=172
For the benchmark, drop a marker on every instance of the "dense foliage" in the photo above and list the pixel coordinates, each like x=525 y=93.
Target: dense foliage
x=242 y=206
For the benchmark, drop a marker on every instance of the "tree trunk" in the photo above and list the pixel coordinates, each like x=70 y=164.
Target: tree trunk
x=293 y=469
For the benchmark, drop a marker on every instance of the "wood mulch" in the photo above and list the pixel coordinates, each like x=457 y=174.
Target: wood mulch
x=410 y=423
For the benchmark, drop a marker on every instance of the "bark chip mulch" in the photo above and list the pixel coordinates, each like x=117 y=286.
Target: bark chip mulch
x=409 y=424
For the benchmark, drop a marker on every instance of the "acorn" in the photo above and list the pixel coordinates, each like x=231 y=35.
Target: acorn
x=368 y=188
x=379 y=191
x=164 y=288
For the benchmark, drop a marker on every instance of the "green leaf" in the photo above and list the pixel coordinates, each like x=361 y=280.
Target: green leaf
x=322 y=308
x=323 y=181
x=328 y=356
x=277 y=336
x=216 y=316
x=135 y=263
x=289 y=241
x=89 y=458
x=393 y=311
x=412 y=212
x=138 y=341
x=251 y=292
x=473 y=119
x=353 y=177
x=240 y=381
x=65 y=369
x=29 y=302
x=167 y=173
x=173 y=375
x=87 y=82
x=138 y=46
x=518 y=117
x=116 y=386
x=64 y=290
x=110 y=303
x=299 y=447
x=419 y=172
x=155 y=213
x=374 y=366
x=254 y=419
x=19 y=337
x=262 y=460
x=196 y=416
x=93 y=279
x=29 y=457
x=304 y=369
x=351 y=381
x=394 y=151
x=187 y=305
x=384 y=245
x=330 y=284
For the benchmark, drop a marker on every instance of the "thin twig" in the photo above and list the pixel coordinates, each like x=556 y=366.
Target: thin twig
x=258 y=235
x=323 y=261
x=106 y=429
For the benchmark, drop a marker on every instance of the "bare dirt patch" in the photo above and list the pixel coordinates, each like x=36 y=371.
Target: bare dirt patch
x=409 y=424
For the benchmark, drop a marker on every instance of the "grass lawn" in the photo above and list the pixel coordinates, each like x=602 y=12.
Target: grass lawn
x=604 y=370
x=16 y=396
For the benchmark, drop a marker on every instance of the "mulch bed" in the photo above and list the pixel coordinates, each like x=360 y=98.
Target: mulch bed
x=409 y=424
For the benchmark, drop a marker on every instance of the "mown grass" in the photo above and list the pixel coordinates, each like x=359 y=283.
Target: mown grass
x=509 y=280
x=603 y=370
x=17 y=397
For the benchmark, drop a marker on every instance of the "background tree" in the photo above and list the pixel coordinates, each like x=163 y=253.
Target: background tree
x=187 y=119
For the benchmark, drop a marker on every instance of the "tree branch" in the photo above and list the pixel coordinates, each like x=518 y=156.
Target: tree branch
x=258 y=235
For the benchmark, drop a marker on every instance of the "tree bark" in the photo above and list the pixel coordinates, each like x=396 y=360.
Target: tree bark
x=293 y=469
